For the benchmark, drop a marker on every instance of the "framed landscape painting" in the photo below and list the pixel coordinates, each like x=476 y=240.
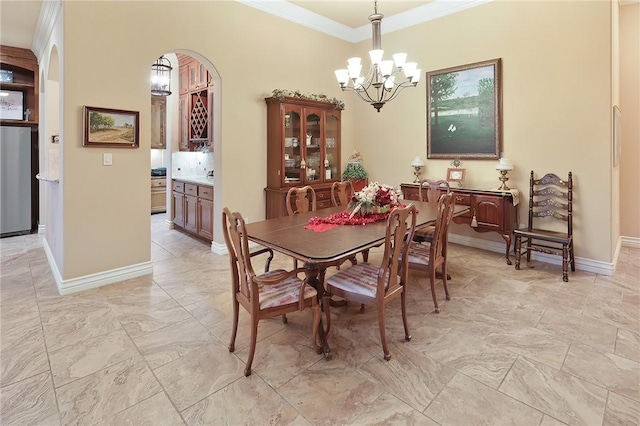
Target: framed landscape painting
x=464 y=111
x=113 y=128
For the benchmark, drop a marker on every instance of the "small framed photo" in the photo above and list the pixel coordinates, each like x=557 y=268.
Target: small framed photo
x=113 y=128
x=11 y=105
x=455 y=175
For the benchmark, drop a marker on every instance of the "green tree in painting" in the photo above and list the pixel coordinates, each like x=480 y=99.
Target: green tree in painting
x=442 y=87
x=486 y=102
x=99 y=121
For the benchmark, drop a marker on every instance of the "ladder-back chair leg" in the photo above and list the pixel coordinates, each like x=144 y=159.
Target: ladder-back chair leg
x=572 y=257
x=516 y=249
x=565 y=263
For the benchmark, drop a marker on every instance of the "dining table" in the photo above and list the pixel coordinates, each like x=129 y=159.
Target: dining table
x=318 y=251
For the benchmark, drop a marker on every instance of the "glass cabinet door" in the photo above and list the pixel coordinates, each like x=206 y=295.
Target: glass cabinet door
x=331 y=153
x=313 y=135
x=293 y=151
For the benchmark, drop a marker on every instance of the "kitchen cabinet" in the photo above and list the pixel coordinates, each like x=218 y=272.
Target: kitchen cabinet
x=303 y=148
x=158 y=194
x=195 y=105
x=489 y=210
x=193 y=208
x=158 y=122
x=22 y=65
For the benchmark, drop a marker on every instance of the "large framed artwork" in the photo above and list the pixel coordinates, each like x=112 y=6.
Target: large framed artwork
x=115 y=128
x=464 y=111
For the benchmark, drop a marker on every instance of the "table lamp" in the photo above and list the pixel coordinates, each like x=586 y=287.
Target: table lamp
x=503 y=167
x=417 y=165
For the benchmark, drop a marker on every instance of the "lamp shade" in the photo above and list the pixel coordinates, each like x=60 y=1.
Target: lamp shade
x=417 y=162
x=504 y=164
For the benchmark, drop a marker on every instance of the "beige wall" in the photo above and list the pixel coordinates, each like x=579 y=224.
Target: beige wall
x=556 y=68
x=107 y=208
x=556 y=90
x=630 y=108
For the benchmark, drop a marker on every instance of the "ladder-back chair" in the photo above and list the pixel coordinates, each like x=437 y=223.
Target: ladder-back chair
x=550 y=200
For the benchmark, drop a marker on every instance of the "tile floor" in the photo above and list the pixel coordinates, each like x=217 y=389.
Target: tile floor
x=511 y=347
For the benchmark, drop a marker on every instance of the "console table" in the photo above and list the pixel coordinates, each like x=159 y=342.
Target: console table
x=493 y=210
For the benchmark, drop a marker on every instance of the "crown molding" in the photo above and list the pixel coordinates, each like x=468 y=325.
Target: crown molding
x=47 y=20
x=299 y=15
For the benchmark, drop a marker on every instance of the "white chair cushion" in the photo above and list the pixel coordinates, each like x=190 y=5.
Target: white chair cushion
x=282 y=293
x=358 y=279
x=419 y=254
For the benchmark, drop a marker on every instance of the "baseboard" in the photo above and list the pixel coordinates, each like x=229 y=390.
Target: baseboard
x=583 y=264
x=169 y=223
x=87 y=282
x=41 y=229
x=632 y=242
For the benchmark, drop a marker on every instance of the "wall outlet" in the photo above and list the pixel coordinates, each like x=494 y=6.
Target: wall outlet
x=246 y=219
x=107 y=159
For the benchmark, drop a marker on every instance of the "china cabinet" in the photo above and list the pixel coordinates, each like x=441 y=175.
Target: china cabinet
x=195 y=105
x=303 y=148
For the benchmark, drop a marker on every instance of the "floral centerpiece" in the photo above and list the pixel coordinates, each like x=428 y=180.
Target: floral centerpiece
x=372 y=204
x=375 y=198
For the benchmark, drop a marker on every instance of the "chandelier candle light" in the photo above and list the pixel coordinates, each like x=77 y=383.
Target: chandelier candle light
x=379 y=86
x=503 y=167
x=417 y=165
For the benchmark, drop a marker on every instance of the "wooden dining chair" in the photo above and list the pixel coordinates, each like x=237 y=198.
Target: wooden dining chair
x=341 y=193
x=550 y=199
x=300 y=200
x=377 y=285
x=429 y=256
x=435 y=188
x=264 y=296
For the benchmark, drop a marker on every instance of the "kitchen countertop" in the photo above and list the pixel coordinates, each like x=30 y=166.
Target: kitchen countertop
x=198 y=180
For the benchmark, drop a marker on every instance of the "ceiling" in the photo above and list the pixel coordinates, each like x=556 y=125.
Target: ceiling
x=18 y=22
x=341 y=18
x=19 y=18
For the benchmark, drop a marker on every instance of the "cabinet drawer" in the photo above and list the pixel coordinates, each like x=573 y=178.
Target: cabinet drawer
x=324 y=204
x=158 y=183
x=462 y=199
x=178 y=186
x=191 y=189
x=205 y=192
x=323 y=195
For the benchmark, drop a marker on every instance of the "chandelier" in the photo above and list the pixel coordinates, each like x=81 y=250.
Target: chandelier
x=382 y=83
x=161 y=77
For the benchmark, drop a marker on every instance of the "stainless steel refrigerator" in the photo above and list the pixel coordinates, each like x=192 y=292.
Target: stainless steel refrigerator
x=15 y=180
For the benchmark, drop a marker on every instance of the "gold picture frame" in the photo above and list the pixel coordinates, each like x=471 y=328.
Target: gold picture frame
x=455 y=174
x=464 y=111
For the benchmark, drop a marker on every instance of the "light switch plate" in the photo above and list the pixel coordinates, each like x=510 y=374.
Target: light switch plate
x=107 y=159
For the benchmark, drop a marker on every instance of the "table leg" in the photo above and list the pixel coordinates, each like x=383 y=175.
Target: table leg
x=312 y=273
